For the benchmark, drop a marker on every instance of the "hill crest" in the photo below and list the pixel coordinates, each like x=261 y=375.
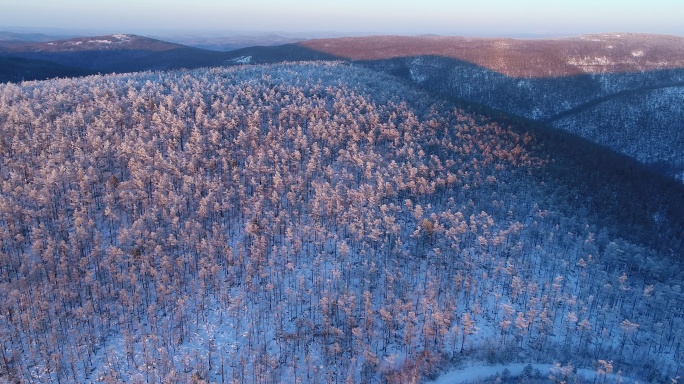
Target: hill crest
x=586 y=54
x=99 y=43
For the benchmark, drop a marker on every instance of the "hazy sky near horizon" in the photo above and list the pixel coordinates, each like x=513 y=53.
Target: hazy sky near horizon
x=473 y=17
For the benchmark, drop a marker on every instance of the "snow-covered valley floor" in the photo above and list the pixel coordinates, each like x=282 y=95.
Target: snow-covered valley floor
x=476 y=373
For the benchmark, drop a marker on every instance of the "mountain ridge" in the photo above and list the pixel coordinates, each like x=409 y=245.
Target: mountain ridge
x=104 y=42
x=230 y=42
x=115 y=53
x=645 y=128
x=525 y=58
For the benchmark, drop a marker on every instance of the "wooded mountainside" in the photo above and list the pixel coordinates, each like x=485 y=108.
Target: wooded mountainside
x=314 y=222
x=620 y=90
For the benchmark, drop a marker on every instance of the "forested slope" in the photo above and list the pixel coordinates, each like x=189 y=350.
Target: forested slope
x=595 y=86
x=623 y=91
x=638 y=113
x=14 y=69
x=302 y=223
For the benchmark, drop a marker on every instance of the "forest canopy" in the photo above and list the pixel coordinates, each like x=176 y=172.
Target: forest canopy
x=313 y=222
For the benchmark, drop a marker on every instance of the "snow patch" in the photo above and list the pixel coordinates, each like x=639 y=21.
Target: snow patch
x=637 y=53
x=119 y=36
x=99 y=41
x=417 y=77
x=484 y=371
x=589 y=61
x=242 y=60
x=680 y=177
x=592 y=37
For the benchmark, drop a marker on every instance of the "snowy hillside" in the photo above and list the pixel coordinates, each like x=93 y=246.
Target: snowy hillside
x=646 y=125
x=305 y=223
x=559 y=81
x=637 y=114
x=622 y=91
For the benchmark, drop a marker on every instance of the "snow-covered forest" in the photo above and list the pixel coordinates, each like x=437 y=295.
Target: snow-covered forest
x=306 y=223
x=637 y=113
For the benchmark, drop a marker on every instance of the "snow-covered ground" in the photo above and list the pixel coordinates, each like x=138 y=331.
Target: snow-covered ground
x=481 y=372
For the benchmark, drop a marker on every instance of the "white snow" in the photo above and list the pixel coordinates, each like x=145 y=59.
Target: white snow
x=680 y=177
x=484 y=371
x=637 y=53
x=100 y=41
x=242 y=59
x=589 y=61
x=480 y=372
x=417 y=77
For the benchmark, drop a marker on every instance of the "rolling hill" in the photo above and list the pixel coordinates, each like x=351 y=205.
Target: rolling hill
x=231 y=42
x=131 y=53
x=588 y=85
x=623 y=91
x=113 y=53
x=116 y=42
x=8 y=38
x=520 y=58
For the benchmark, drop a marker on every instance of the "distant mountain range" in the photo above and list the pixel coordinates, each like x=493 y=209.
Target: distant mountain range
x=15 y=38
x=231 y=42
x=111 y=53
x=588 y=54
x=623 y=91
x=131 y=53
x=99 y=43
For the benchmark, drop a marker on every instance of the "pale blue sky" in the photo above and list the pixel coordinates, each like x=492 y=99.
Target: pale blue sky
x=473 y=17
